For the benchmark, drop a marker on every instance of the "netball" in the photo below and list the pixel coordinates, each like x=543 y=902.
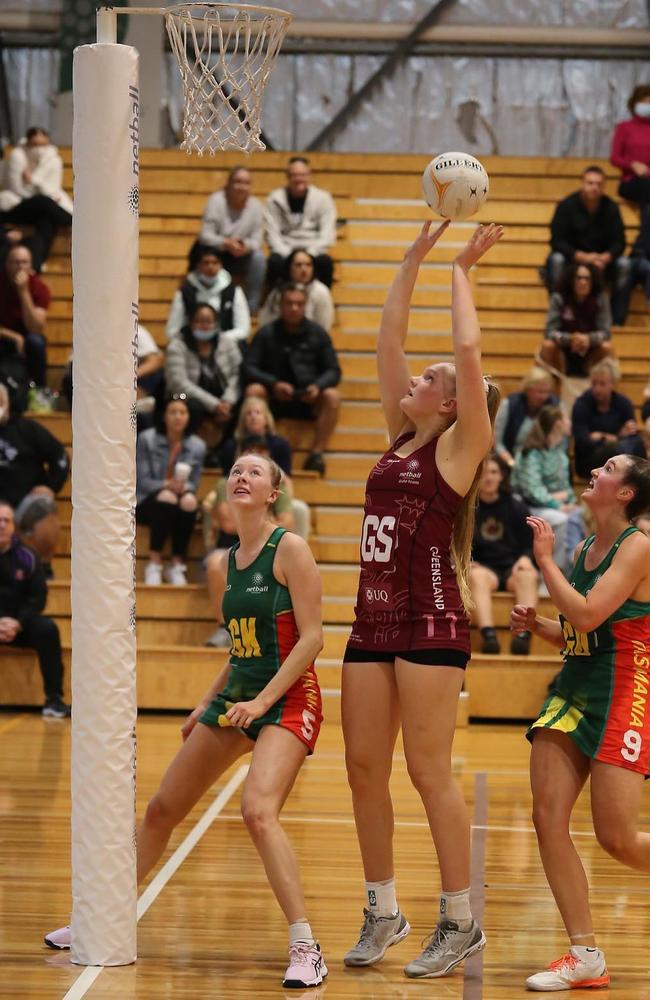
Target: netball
x=455 y=185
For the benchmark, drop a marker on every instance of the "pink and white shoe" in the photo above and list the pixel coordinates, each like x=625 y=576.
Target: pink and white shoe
x=58 y=939
x=306 y=966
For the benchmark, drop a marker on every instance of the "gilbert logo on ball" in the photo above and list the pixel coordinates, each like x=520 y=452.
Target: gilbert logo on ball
x=455 y=185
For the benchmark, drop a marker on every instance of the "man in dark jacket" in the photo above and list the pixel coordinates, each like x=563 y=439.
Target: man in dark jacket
x=602 y=417
x=587 y=228
x=33 y=468
x=292 y=361
x=23 y=594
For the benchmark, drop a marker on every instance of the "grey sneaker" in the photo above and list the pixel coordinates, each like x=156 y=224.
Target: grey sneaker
x=445 y=949
x=376 y=937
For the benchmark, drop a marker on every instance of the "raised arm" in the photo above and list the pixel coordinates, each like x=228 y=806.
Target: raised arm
x=471 y=432
x=620 y=581
x=392 y=368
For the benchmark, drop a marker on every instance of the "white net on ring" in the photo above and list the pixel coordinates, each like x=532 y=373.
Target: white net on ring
x=225 y=53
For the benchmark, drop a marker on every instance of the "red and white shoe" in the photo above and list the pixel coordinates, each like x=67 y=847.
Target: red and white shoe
x=306 y=966
x=572 y=972
x=58 y=939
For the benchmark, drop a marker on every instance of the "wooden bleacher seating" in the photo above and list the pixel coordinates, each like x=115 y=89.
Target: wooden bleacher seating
x=380 y=208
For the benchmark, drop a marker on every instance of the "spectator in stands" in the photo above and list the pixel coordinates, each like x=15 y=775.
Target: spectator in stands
x=517 y=412
x=232 y=225
x=204 y=364
x=640 y=258
x=542 y=477
x=169 y=461
x=502 y=553
x=300 y=216
x=587 y=228
x=23 y=592
x=24 y=299
x=293 y=361
x=631 y=148
x=602 y=416
x=33 y=192
x=255 y=417
x=220 y=531
x=299 y=269
x=150 y=374
x=578 y=323
x=33 y=468
x=210 y=283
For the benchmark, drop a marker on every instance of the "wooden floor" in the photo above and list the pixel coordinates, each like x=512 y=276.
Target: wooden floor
x=215 y=931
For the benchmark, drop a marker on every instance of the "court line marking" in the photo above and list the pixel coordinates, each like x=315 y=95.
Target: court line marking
x=81 y=985
x=7 y=726
x=407 y=823
x=473 y=967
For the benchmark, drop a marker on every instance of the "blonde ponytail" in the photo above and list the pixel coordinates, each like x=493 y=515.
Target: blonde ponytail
x=463 y=533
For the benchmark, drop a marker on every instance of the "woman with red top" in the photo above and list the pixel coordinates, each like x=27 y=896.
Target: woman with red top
x=409 y=644
x=631 y=148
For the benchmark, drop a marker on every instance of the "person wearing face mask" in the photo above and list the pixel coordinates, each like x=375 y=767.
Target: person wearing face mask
x=631 y=148
x=33 y=192
x=209 y=282
x=204 y=363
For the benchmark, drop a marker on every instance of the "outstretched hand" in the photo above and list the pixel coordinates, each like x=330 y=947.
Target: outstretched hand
x=426 y=239
x=478 y=244
x=543 y=539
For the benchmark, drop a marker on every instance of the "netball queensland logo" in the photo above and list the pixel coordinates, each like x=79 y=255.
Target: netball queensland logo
x=412 y=473
x=258 y=587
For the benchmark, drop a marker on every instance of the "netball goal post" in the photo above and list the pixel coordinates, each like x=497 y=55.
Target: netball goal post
x=225 y=53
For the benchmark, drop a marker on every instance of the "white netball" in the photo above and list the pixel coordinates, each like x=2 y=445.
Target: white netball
x=455 y=185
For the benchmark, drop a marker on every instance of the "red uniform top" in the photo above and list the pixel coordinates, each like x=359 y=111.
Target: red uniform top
x=631 y=142
x=408 y=595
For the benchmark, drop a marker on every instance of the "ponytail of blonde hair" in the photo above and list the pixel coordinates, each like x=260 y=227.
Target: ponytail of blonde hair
x=463 y=531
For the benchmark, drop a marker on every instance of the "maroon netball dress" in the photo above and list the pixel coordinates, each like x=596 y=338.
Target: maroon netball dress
x=408 y=602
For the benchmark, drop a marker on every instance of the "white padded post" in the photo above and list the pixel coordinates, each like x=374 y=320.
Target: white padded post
x=105 y=313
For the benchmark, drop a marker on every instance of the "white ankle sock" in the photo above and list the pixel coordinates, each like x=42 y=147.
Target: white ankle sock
x=300 y=931
x=587 y=954
x=455 y=906
x=381 y=898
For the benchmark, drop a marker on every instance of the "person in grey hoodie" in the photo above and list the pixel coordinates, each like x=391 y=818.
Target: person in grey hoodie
x=210 y=283
x=204 y=364
x=300 y=216
x=232 y=225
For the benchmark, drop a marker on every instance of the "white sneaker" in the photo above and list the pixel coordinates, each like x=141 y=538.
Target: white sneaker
x=175 y=574
x=572 y=972
x=306 y=966
x=59 y=938
x=153 y=574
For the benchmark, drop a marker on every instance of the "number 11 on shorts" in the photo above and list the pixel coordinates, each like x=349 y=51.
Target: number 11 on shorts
x=451 y=617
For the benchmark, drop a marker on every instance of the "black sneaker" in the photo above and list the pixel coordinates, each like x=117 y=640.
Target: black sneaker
x=315 y=463
x=55 y=708
x=489 y=643
x=520 y=644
